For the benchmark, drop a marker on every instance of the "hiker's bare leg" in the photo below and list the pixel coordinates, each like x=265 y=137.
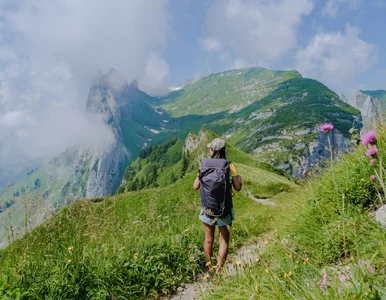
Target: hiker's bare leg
x=223 y=250
x=209 y=239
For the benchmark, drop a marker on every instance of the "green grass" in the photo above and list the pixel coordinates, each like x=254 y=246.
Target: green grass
x=135 y=245
x=202 y=97
x=326 y=228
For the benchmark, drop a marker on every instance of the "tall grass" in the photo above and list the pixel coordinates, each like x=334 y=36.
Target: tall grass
x=327 y=243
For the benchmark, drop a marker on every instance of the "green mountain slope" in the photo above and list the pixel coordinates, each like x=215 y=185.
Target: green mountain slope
x=277 y=116
x=163 y=165
x=135 y=245
x=282 y=128
x=226 y=91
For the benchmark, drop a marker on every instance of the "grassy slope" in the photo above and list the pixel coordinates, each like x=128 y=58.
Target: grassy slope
x=242 y=87
x=327 y=228
x=134 y=245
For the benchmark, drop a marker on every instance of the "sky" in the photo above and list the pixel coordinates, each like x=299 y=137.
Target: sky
x=50 y=51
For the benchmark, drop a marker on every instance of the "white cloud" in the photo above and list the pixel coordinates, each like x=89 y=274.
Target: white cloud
x=378 y=3
x=336 y=58
x=334 y=7
x=153 y=81
x=49 y=53
x=211 y=44
x=253 y=32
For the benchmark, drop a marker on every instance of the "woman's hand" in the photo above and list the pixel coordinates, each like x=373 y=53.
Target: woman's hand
x=196 y=183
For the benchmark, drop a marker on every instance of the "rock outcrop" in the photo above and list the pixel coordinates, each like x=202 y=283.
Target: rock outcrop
x=372 y=105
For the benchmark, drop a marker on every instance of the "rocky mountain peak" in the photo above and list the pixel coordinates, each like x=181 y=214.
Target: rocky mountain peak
x=371 y=104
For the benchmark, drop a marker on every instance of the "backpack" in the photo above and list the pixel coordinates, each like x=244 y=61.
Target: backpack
x=215 y=187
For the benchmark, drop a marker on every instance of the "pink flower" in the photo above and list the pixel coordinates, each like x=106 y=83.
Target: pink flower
x=342 y=278
x=372 y=152
x=373 y=178
x=326 y=128
x=323 y=282
x=369 y=138
x=373 y=162
x=371 y=270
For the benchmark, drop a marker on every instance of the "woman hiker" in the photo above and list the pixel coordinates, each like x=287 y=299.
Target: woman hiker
x=215 y=180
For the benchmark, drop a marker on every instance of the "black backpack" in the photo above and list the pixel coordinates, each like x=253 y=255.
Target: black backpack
x=215 y=187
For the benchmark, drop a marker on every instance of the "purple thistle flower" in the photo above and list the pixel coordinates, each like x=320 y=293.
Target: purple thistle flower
x=373 y=162
x=373 y=178
x=342 y=278
x=369 y=138
x=372 y=152
x=322 y=282
x=326 y=128
x=371 y=270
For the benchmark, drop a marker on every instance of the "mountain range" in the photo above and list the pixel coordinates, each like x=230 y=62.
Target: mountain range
x=271 y=115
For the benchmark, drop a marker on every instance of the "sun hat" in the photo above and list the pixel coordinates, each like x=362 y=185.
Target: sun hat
x=217 y=144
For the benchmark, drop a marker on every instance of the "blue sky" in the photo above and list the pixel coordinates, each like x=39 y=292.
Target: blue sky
x=50 y=51
x=344 y=63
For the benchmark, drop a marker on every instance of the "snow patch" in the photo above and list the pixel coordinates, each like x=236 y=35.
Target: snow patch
x=152 y=130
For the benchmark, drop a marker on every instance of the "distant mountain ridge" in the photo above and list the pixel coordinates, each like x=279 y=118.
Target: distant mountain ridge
x=225 y=91
x=272 y=115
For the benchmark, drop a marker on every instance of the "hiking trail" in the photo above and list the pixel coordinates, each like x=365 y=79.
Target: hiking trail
x=261 y=201
x=245 y=255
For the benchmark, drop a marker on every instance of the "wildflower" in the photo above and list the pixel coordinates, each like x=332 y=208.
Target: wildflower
x=342 y=278
x=135 y=256
x=238 y=262
x=70 y=248
x=206 y=276
x=322 y=282
x=371 y=270
x=266 y=242
x=266 y=270
x=326 y=128
x=369 y=138
x=208 y=264
x=373 y=178
x=257 y=259
x=372 y=152
x=69 y=260
x=373 y=162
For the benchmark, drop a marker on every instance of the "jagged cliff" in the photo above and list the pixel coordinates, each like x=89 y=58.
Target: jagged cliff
x=372 y=105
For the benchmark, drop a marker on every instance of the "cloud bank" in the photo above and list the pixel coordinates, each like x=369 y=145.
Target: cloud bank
x=49 y=53
x=336 y=58
x=248 y=32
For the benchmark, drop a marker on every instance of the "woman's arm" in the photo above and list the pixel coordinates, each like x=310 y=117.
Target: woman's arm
x=196 y=183
x=236 y=180
x=237 y=184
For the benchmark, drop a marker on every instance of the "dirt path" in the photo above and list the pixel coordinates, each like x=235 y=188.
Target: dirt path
x=262 y=201
x=246 y=254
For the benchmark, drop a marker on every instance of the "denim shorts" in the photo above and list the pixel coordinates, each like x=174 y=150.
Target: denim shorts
x=218 y=221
